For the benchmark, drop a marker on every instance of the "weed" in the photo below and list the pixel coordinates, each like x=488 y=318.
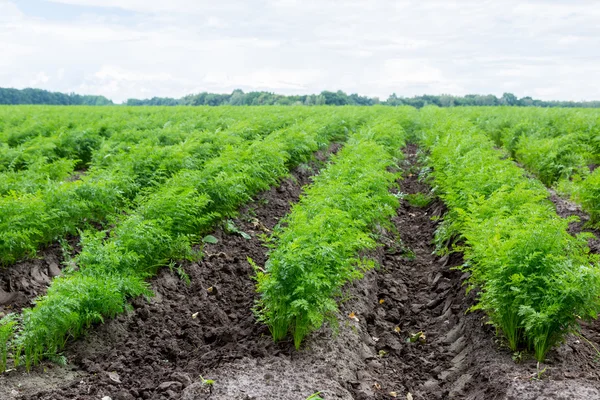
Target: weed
x=419 y=199
x=409 y=254
x=207 y=382
x=173 y=267
x=540 y=372
x=230 y=228
x=518 y=356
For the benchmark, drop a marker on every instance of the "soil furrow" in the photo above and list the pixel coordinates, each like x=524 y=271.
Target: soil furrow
x=419 y=328
x=566 y=208
x=27 y=279
x=462 y=356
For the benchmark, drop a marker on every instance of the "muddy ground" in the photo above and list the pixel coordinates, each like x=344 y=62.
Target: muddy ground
x=566 y=208
x=27 y=279
x=168 y=347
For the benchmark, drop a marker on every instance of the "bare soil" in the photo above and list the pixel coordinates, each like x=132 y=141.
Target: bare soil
x=27 y=279
x=566 y=208
x=166 y=347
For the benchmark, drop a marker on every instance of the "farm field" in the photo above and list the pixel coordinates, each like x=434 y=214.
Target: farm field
x=299 y=252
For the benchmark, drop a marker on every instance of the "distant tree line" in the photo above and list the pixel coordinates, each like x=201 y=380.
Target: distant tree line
x=339 y=98
x=40 y=96
x=239 y=98
x=507 y=99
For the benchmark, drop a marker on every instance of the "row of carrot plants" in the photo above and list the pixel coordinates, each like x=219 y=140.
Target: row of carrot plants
x=560 y=147
x=534 y=280
x=68 y=146
x=321 y=244
x=29 y=220
x=34 y=135
x=163 y=227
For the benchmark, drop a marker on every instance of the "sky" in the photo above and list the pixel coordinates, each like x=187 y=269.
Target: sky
x=124 y=49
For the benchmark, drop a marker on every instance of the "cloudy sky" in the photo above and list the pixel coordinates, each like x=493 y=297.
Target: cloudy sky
x=142 y=48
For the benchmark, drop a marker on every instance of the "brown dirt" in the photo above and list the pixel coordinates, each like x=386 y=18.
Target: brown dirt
x=29 y=278
x=25 y=280
x=566 y=208
x=161 y=348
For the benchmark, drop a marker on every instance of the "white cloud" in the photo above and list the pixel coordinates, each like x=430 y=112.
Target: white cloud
x=407 y=72
x=156 y=6
x=145 y=48
x=216 y=22
x=40 y=79
x=113 y=73
x=9 y=12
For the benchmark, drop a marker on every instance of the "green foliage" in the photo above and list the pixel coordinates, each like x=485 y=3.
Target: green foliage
x=40 y=96
x=535 y=279
x=73 y=303
x=319 y=244
x=557 y=146
x=207 y=382
x=231 y=228
x=159 y=179
x=123 y=168
x=22 y=222
x=7 y=331
x=210 y=239
x=418 y=199
x=587 y=193
x=551 y=159
x=36 y=176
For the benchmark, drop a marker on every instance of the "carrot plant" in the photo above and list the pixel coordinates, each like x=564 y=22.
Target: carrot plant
x=587 y=193
x=7 y=328
x=535 y=280
x=321 y=243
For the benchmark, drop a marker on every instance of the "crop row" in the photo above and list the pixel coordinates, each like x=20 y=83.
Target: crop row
x=33 y=135
x=164 y=226
x=535 y=280
x=560 y=147
x=67 y=146
x=320 y=245
x=28 y=220
x=123 y=170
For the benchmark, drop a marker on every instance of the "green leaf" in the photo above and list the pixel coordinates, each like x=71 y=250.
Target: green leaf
x=210 y=239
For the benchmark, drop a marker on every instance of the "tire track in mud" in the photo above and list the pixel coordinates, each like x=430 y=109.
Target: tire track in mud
x=23 y=281
x=461 y=356
x=418 y=327
x=566 y=208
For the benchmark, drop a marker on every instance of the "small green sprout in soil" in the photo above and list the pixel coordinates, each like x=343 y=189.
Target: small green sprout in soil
x=420 y=200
